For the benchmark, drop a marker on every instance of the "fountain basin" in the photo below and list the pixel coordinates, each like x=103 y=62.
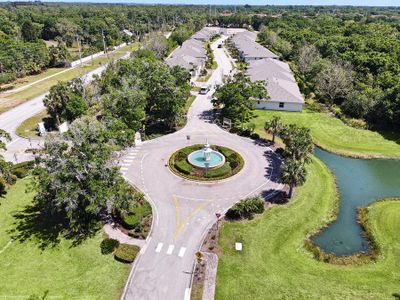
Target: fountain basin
x=196 y=158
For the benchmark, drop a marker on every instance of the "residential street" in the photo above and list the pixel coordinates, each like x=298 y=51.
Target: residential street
x=184 y=210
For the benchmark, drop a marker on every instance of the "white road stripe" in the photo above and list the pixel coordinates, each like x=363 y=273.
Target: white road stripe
x=130 y=156
x=128 y=160
x=159 y=247
x=187 y=294
x=124 y=164
x=170 y=249
x=124 y=168
x=182 y=252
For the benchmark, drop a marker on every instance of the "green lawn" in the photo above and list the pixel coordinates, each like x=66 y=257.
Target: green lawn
x=274 y=263
x=8 y=101
x=63 y=271
x=31 y=78
x=333 y=135
x=28 y=128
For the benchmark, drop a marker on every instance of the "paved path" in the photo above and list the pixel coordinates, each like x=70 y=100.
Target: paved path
x=116 y=234
x=184 y=210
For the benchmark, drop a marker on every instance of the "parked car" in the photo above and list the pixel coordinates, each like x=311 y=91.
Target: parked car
x=220 y=46
x=204 y=89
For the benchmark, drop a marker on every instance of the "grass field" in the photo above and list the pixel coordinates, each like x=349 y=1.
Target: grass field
x=333 y=135
x=63 y=271
x=10 y=100
x=275 y=265
x=31 y=78
x=28 y=128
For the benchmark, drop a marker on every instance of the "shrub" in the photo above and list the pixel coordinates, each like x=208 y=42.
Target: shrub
x=183 y=166
x=255 y=136
x=130 y=220
x=219 y=172
x=126 y=253
x=3 y=186
x=246 y=208
x=107 y=246
x=22 y=169
x=356 y=123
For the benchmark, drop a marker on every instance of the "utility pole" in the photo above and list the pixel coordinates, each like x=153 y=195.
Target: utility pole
x=79 y=48
x=104 y=43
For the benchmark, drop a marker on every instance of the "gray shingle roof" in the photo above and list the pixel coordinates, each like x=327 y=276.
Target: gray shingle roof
x=281 y=84
x=246 y=44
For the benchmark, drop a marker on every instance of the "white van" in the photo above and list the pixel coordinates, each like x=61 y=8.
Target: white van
x=204 y=89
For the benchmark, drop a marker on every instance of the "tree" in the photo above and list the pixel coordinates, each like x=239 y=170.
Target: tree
x=65 y=101
x=5 y=167
x=128 y=104
x=298 y=142
x=335 y=81
x=237 y=96
x=157 y=43
x=29 y=31
x=308 y=55
x=293 y=173
x=76 y=180
x=273 y=126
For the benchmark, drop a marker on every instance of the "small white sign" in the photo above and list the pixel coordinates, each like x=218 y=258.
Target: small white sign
x=42 y=129
x=63 y=127
x=238 y=246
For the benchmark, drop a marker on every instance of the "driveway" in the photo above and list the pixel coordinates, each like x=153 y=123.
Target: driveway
x=184 y=210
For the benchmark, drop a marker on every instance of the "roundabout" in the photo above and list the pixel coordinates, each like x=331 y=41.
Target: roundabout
x=185 y=207
x=205 y=162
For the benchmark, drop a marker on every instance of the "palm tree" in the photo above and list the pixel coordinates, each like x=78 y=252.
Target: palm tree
x=293 y=173
x=298 y=142
x=273 y=126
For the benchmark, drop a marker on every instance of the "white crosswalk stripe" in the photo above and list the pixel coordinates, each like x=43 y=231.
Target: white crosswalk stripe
x=159 y=247
x=170 y=249
x=182 y=252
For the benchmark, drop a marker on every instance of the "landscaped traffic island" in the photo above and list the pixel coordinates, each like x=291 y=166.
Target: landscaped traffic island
x=206 y=162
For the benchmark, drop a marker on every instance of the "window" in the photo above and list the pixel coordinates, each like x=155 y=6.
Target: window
x=281 y=105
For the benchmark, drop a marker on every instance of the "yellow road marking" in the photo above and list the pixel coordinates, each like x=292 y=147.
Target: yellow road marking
x=181 y=224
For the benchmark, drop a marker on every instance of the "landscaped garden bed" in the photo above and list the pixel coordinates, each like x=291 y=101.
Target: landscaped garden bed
x=137 y=223
x=180 y=165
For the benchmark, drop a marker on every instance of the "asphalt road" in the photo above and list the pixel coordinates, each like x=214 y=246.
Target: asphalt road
x=11 y=119
x=184 y=210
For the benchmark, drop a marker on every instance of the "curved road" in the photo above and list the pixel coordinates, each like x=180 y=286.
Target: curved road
x=184 y=210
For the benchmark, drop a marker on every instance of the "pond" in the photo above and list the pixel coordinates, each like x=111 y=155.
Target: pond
x=360 y=182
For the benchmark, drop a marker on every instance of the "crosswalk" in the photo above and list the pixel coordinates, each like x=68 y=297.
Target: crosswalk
x=169 y=250
x=129 y=158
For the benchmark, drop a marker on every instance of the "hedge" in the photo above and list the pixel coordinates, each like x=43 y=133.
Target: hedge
x=126 y=253
x=246 y=208
x=22 y=169
x=219 y=172
x=107 y=246
x=183 y=166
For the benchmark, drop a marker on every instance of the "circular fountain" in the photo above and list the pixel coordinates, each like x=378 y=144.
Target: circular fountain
x=206 y=158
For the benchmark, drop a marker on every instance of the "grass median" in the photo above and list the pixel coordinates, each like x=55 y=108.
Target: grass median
x=333 y=135
x=63 y=271
x=275 y=262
